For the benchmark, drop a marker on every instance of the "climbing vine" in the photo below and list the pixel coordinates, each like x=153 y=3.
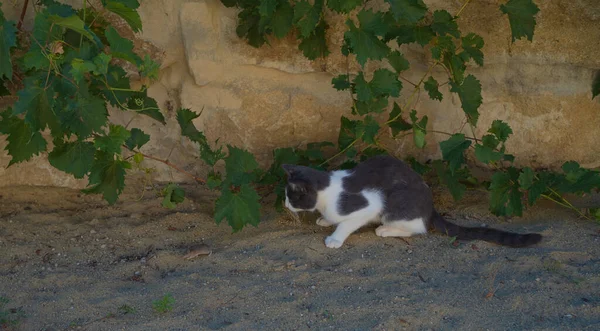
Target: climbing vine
x=75 y=63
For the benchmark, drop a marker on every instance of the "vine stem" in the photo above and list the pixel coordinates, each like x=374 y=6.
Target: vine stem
x=198 y=179
x=23 y=12
x=342 y=151
x=463 y=7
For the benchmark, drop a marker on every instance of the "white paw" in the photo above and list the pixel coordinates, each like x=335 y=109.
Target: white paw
x=332 y=242
x=382 y=231
x=323 y=222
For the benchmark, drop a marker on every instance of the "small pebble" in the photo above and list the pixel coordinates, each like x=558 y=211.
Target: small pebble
x=103 y=246
x=143 y=260
x=92 y=231
x=569 y=316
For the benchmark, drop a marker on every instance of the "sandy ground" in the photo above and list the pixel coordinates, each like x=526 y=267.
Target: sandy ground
x=69 y=261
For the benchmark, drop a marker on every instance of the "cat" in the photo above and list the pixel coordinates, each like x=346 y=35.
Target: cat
x=383 y=190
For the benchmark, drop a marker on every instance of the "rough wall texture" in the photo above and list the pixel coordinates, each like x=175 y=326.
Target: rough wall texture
x=274 y=97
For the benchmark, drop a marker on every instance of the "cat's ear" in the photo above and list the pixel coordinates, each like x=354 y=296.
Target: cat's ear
x=289 y=169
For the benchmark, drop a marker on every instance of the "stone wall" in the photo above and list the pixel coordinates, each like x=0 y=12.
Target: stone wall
x=272 y=97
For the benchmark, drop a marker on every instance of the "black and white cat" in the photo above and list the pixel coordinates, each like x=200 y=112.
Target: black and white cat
x=381 y=190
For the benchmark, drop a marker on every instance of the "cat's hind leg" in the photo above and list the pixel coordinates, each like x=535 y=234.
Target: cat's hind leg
x=401 y=228
x=322 y=221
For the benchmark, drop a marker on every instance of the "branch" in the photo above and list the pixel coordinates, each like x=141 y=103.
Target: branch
x=23 y=11
x=198 y=179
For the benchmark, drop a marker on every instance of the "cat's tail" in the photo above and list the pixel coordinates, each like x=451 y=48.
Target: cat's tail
x=500 y=237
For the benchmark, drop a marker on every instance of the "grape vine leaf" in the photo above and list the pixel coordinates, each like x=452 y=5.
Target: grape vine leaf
x=143 y=104
x=396 y=122
x=85 y=114
x=120 y=47
x=43 y=31
x=129 y=14
x=419 y=129
x=239 y=166
x=306 y=16
x=444 y=23
x=267 y=7
x=101 y=61
x=341 y=82
x=23 y=142
x=348 y=131
x=137 y=139
x=75 y=158
x=472 y=45
x=8 y=40
x=249 y=25
x=423 y=34
x=315 y=45
x=149 y=68
x=173 y=195
x=185 y=119
x=116 y=77
x=505 y=197
x=526 y=178
x=368 y=129
x=521 y=16
x=408 y=11
x=538 y=187
x=431 y=86
x=363 y=90
x=596 y=85
x=485 y=154
x=343 y=6
x=501 y=130
x=107 y=176
x=80 y=67
x=385 y=83
x=239 y=208
x=453 y=150
x=72 y=22
x=450 y=179
x=213 y=180
x=469 y=93
x=577 y=179
x=37 y=103
x=365 y=43
x=111 y=143
x=398 y=61
x=282 y=19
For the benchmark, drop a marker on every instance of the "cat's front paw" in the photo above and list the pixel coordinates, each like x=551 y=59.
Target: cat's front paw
x=332 y=242
x=323 y=222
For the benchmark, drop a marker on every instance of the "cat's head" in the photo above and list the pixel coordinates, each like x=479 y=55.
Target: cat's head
x=303 y=185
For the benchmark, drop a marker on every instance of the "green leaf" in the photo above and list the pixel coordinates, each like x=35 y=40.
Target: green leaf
x=341 y=82
x=130 y=15
x=453 y=150
x=526 y=178
x=137 y=139
x=185 y=119
x=490 y=141
x=577 y=179
x=373 y=22
x=501 y=130
x=397 y=123
x=398 y=61
x=101 y=61
x=75 y=158
x=250 y=27
x=107 y=176
x=347 y=132
x=267 y=7
x=111 y=142
x=47 y=33
x=149 y=68
x=486 y=154
x=364 y=44
x=450 y=179
x=80 y=67
x=472 y=45
x=385 y=83
x=505 y=197
x=72 y=22
x=143 y=104
x=239 y=208
x=423 y=34
x=239 y=165
x=444 y=23
x=116 y=78
x=419 y=129
x=363 y=90
x=408 y=11
x=521 y=15
x=213 y=180
x=343 y=6
x=3 y=89
x=37 y=103
x=375 y=105
x=469 y=93
x=8 y=40
x=368 y=129
x=417 y=166
x=174 y=195
x=120 y=47
x=282 y=19
x=431 y=86
x=538 y=187
x=596 y=85
x=23 y=142
x=307 y=16
x=315 y=45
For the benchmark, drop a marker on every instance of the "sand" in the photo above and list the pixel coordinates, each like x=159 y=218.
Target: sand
x=70 y=261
